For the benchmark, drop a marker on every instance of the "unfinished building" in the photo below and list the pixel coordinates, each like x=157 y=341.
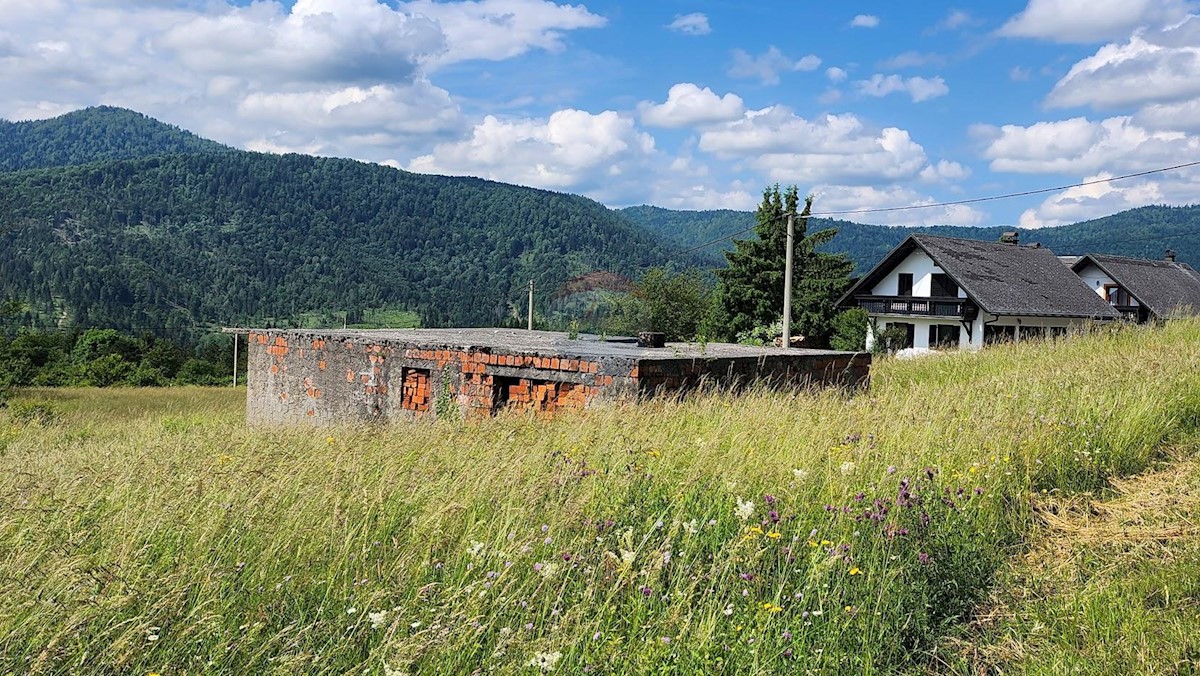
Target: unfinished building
x=330 y=376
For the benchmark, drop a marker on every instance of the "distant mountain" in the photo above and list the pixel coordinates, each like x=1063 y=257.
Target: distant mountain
x=168 y=242
x=93 y=135
x=1144 y=233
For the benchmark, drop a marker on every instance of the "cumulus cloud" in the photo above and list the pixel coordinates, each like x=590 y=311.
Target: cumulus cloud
x=862 y=199
x=835 y=74
x=494 y=30
x=865 y=21
x=691 y=24
x=688 y=105
x=597 y=154
x=768 y=65
x=1079 y=145
x=1104 y=198
x=1091 y=20
x=834 y=148
x=944 y=171
x=339 y=77
x=918 y=88
x=1150 y=67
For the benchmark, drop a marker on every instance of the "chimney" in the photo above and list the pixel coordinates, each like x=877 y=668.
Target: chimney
x=1170 y=256
x=1011 y=237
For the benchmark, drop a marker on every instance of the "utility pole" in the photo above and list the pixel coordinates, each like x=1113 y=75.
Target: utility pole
x=531 y=305
x=235 y=360
x=787 y=283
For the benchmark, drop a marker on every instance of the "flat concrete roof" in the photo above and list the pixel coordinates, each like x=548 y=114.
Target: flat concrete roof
x=543 y=342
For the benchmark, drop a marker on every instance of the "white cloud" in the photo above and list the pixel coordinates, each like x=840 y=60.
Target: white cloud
x=841 y=198
x=339 y=77
x=1018 y=74
x=1101 y=199
x=912 y=59
x=944 y=171
x=833 y=148
x=688 y=105
x=768 y=65
x=1079 y=145
x=954 y=20
x=919 y=88
x=495 y=30
x=1151 y=67
x=600 y=155
x=691 y=24
x=865 y=21
x=1091 y=20
x=835 y=74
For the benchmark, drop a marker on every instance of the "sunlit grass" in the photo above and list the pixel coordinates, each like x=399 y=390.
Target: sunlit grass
x=153 y=531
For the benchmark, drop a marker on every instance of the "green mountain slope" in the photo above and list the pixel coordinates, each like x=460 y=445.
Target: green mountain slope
x=178 y=241
x=1144 y=232
x=92 y=135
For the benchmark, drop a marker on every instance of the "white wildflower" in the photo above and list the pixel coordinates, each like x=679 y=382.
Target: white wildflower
x=548 y=569
x=800 y=474
x=847 y=467
x=692 y=527
x=627 y=557
x=378 y=620
x=476 y=548
x=545 y=661
x=351 y=610
x=415 y=625
x=745 y=509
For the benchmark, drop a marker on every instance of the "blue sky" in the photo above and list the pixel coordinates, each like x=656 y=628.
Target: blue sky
x=682 y=104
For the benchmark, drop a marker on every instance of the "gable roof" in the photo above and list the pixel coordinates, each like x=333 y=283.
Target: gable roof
x=1003 y=279
x=1164 y=287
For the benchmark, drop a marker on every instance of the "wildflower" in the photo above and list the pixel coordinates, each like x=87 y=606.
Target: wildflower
x=728 y=610
x=891 y=469
x=787 y=635
x=476 y=548
x=787 y=654
x=351 y=610
x=666 y=640
x=690 y=527
x=856 y=571
x=547 y=569
x=745 y=509
x=826 y=543
x=800 y=474
x=548 y=540
x=746 y=576
x=658 y=524
x=329 y=440
x=545 y=661
x=847 y=467
x=378 y=620
x=545 y=528
x=923 y=558
x=415 y=625
x=773 y=516
x=771 y=608
x=774 y=535
x=647 y=591
x=666 y=557
x=769 y=499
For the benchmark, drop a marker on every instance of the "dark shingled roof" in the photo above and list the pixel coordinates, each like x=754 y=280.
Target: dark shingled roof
x=1003 y=279
x=1164 y=287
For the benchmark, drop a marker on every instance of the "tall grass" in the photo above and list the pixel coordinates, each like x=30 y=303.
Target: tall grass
x=153 y=531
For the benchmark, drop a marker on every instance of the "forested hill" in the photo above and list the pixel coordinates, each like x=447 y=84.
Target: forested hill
x=1144 y=232
x=93 y=135
x=176 y=241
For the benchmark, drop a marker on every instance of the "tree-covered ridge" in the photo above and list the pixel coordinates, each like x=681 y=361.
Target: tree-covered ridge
x=1143 y=233
x=176 y=241
x=93 y=135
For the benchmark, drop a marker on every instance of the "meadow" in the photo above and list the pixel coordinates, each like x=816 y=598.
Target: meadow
x=900 y=529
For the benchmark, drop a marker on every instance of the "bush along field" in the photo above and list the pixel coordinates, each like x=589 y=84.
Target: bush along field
x=761 y=532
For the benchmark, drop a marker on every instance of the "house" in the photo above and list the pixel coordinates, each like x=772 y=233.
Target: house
x=328 y=377
x=1142 y=290
x=945 y=292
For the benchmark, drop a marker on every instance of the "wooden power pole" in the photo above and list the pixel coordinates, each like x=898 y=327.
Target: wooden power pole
x=531 y=305
x=787 y=283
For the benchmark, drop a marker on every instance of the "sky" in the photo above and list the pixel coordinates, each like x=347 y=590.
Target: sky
x=685 y=104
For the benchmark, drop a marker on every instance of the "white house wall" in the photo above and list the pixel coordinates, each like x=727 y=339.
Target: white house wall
x=975 y=340
x=1095 y=279
x=922 y=268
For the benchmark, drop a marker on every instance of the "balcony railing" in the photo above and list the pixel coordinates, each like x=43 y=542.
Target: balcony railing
x=908 y=305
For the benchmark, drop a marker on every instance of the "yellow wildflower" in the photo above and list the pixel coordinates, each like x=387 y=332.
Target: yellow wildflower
x=812 y=543
x=856 y=571
x=774 y=535
x=826 y=543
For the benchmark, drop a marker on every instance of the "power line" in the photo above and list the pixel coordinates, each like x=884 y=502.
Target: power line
x=973 y=200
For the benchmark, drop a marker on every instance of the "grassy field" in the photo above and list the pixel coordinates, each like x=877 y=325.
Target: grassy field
x=893 y=530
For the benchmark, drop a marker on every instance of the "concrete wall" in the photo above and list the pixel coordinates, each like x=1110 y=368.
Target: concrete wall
x=306 y=377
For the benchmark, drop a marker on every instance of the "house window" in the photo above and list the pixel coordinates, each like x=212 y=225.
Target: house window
x=993 y=334
x=1115 y=295
x=943 y=286
x=900 y=335
x=943 y=335
x=905 y=284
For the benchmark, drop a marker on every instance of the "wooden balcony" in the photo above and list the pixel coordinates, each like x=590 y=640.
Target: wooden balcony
x=960 y=308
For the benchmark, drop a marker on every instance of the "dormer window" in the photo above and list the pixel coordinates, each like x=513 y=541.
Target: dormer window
x=943 y=287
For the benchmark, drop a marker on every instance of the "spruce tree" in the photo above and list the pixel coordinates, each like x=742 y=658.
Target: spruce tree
x=751 y=287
